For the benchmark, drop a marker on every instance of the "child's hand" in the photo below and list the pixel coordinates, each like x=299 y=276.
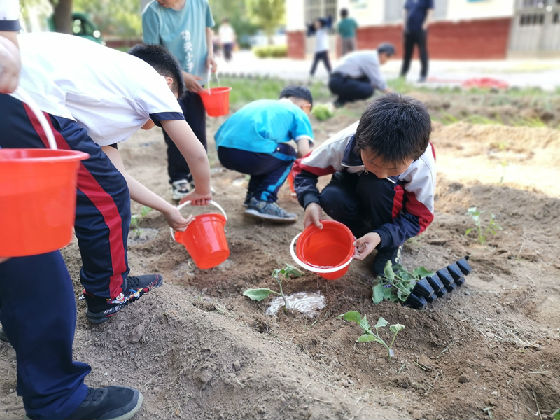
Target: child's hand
x=313 y=215
x=366 y=244
x=197 y=199
x=175 y=219
x=191 y=82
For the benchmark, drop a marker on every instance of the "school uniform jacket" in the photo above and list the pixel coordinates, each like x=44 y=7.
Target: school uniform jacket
x=413 y=203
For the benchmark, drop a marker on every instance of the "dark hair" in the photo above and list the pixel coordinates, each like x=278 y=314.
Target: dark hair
x=300 y=92
x=343 y=13
x=395 y=128
x=162 y=61
x=386 y=48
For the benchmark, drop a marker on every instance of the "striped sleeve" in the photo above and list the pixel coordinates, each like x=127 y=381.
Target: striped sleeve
x=418 y=211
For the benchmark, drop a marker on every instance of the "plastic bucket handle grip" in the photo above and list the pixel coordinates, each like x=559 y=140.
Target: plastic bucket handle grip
x=311 y=267
x=212 y=202
x=42 y=120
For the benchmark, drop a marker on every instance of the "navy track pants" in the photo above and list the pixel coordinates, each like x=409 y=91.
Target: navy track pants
x=102 y=203
x=38 y=314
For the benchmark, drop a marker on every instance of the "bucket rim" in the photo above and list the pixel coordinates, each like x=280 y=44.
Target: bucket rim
x=321 y=269
x=42 y=155
x=216 y=89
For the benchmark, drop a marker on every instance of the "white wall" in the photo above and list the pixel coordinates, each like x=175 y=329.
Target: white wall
x=464 y=10
x=294 y=15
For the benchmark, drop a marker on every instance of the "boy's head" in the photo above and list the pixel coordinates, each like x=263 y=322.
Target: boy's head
x=385 y=51
x=343 y=13
x=299 y=95
x=392 y=133
x=163 y=62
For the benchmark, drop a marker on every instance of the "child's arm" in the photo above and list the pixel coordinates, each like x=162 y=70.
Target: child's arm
x=303 y=147
x=195 y=155
x=143 y=195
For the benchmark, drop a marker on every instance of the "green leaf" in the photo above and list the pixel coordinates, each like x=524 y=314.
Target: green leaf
x=364 y=323
x=556 y=415
x=395 y=328
x=388 y=271
x=378 y=293
x=366 y=338
x=352 y=316
x=258 y=294
x=291 y=271
x=421 y=272
x=389 y=294
x=381 y=322
x=469 y=230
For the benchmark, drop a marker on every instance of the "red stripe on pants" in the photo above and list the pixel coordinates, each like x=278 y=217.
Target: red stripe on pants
x=102 y=201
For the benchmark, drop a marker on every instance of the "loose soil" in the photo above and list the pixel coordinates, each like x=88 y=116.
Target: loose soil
x=198 y=349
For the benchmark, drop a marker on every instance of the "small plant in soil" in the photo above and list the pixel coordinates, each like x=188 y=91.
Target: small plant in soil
x=288 y=272
x=369 y=335
x=397 y=283
x=482 y=229
x=136 y=218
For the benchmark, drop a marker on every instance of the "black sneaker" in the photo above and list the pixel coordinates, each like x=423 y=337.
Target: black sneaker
x=339 y=103
x=269 y=211
x=101 y=309
x=181 y=188
x=108 y=403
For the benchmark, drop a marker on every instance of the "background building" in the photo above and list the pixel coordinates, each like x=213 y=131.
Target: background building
x=460 y=29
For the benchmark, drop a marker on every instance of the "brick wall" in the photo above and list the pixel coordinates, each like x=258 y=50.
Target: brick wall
x=472 y=39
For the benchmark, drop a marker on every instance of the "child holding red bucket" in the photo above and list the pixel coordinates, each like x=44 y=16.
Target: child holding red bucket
x=383 y=178
x=254 y=141
x=38 y=309
x=96 y=97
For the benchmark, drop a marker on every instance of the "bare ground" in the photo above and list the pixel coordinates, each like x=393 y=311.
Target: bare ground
x=198 y=349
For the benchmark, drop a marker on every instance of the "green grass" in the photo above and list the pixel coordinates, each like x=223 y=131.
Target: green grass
x=245 y=90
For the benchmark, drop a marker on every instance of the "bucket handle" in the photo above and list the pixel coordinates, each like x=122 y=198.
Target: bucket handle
x=40 y=116
x=313 y=268
x=212 y=202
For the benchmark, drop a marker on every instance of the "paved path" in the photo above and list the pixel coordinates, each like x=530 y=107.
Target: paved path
x=544 y=73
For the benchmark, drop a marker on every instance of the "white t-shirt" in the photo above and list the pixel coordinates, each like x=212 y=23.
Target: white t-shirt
x=9 y=9
x=226 y=34
x=321 y=40
x=111 y=93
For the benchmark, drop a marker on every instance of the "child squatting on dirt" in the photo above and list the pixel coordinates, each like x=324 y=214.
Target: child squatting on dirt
x=254 y=141
x=383 y=178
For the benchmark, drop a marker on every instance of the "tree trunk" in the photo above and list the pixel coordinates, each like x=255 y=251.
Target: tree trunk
x=62 y=16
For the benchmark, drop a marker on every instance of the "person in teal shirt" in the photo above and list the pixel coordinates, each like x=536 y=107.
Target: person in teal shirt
x=254 y=141
x=184 y=27
x=346 y=28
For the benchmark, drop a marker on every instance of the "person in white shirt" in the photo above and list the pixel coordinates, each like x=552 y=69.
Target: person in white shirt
x=322 y=26
x=359 y=74
x=227 y=38
x=95 y=98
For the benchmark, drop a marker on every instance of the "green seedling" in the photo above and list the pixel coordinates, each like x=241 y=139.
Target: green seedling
x=369 y=335
x=136 y=218
x=322 y=111
x=483 y=230
x=288 y=272
x=397 y=283
x=556 y=415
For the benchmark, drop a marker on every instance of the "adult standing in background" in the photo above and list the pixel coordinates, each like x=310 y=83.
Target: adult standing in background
x=184 y=27
x=346 y=28
x=417 y=15
x=227 y=38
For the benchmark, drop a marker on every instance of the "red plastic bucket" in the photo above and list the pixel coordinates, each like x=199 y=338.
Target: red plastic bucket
x=327 y=252
x=216 y=100
x=205 y=238
x=37 y=199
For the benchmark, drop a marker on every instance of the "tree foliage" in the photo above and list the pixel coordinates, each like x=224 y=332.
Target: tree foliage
x=267 y=14
x=120 y=18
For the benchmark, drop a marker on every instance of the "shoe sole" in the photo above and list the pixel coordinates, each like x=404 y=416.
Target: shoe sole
x=101 y=317
x=255 y=214
x=132 y=412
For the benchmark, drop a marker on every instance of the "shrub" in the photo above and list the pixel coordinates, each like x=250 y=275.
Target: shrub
x=274 y=51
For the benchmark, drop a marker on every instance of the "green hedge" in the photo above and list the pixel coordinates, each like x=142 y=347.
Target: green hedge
x=271 y=51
